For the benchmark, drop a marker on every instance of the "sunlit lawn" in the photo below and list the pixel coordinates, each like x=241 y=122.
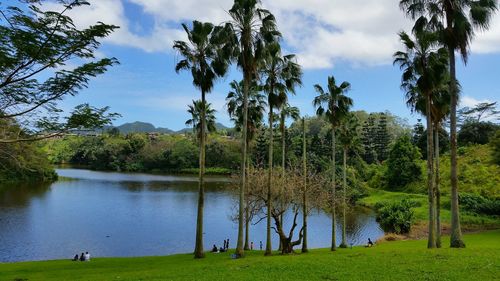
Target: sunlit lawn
x=402 y=260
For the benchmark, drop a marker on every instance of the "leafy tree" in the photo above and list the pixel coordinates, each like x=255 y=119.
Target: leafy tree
x=335 y=105
x=456 y=20
x=402 y=165
x=251 y=28
x=382 y=138
x=368 y=135
x=204 y=55
x=495 y=144
x=484 y=110
x=34 y=46
x=473 y=132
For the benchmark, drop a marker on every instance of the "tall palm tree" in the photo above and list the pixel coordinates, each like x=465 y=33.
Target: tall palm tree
x=202 y=56
x=256 y=107
x=348 y=138
x=424 y=69
x=458 y=20
x=196 y=110
x=304 y=192
x=286 y=111
x=281 y=74
x=335 y=105
x=251 y=27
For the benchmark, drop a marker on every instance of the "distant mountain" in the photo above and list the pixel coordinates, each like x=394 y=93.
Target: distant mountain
x=141 y=127
x=144 y=127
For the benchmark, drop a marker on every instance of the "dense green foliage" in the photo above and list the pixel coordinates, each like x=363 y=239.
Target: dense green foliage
x=396 y=217
x=140 y=152
x=476 y=132
x=495 y=147
x=478 y=204
x=402 y=165
x=401 y=260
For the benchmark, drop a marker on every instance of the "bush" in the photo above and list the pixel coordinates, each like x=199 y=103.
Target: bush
x=403 y=164
x=478 y=204
x=396 y=217
x=495 y=146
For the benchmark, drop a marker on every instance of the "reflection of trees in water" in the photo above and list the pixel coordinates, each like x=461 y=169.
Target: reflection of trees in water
x=22 y=193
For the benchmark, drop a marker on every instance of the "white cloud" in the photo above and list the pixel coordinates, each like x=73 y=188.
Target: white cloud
x=468 y=101
x=321 y=32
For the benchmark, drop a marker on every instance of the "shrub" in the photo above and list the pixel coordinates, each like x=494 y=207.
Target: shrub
x=396 y=217
x=478 y=204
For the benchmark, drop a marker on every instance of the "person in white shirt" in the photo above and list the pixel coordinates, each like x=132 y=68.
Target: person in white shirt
x=87 y=256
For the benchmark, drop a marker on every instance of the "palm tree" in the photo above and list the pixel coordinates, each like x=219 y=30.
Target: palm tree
x=335 y=105
x=348 y=138
x=286 y=111
x=196 y=110
x=281 y=74
x=304 y=194
x=202 y=56
x=424 y=69
x=251 y=26
x=457 y=19
x=256 y=106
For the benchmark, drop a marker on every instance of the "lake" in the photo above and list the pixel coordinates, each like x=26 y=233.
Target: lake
x=130 y=214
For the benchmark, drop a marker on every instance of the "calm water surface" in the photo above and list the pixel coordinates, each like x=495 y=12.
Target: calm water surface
x=121 y=214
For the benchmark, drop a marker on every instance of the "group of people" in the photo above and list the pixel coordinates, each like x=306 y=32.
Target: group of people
x=222 y=249
x=225 y=247
x=83 y=257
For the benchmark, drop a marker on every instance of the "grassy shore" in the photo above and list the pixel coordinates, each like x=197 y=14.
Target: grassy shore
x=469 y=221
x=401 y=260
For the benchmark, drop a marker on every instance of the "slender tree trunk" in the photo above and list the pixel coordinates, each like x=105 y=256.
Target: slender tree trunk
x=334 y=170
x=198 y=250
x=246 y=86
x=344 y=188
x=436 y=186
x=456 y=232
x=431 y=242
x=269 y=184
x=304 y=196
x=247 y=213
x=283 y=163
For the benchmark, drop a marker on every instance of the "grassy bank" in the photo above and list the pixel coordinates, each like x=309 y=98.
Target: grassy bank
x=470 y=221
x=402 y=260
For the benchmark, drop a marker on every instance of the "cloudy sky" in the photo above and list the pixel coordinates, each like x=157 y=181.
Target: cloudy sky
x=351 y=39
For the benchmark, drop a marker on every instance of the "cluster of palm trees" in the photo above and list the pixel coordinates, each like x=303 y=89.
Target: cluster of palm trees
x=441 y=28
x=251 y=40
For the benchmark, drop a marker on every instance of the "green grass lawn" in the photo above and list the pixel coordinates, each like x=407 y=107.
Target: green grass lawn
x=402 y=260
x=468 y=220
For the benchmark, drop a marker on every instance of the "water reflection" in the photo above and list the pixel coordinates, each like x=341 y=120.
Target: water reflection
x=113 y=214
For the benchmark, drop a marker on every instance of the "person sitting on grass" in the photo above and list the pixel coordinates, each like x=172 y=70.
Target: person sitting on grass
x=214 y=249
x=75 y=258
x=370 y=243
x=87 y=256
x=222 y=250
x=82 y=257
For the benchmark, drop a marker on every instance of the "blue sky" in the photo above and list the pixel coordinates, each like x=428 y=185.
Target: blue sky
x=145 y=87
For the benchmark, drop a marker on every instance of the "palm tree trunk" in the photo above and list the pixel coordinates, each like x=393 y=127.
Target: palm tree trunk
x=436 y=186
x=344 y=187
x=334 y=242
x=198 y=250
x=247 y=214
x=269 y=183
x=456 y=232
x=239 y=245
x=431 y=242
x=304 y=195
x=283 y=159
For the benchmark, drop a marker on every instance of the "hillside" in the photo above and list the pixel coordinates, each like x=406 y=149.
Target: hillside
x=144 y=127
